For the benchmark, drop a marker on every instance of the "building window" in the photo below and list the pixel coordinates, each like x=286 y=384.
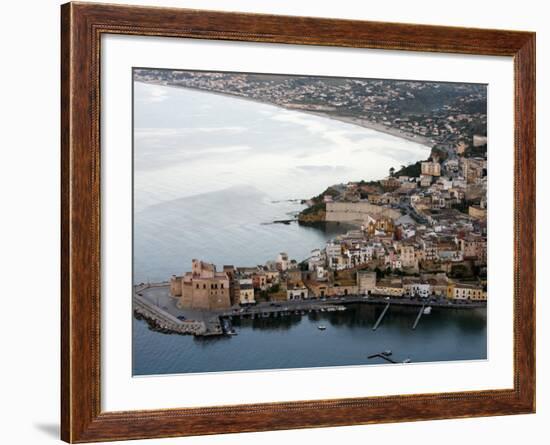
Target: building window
x=221 y=286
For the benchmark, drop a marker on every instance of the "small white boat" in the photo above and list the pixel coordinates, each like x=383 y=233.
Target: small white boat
x=321 y=327
x=387 y=353
x=427 y=310
x=407 y=360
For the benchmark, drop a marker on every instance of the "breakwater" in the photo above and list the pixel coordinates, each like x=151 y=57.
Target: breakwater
x=162 y=321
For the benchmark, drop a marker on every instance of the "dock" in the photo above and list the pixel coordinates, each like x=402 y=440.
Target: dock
x=300 y=308
x=375 y=327
x=418 y=317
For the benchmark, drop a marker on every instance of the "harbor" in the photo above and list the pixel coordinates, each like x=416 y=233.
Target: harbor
x=294 y=339
x=153 y=302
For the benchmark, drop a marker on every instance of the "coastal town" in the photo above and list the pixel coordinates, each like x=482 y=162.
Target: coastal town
x=417 y=236
x=412 y=240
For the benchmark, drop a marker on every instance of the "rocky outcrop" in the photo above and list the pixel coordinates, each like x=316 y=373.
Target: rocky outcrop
x=313 y=214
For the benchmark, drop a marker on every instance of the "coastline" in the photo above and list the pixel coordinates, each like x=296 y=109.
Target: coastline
x=375 y=126
x=209 y=323
x=364 y=123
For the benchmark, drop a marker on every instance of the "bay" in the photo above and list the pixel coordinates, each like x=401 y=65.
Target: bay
x=211 y=172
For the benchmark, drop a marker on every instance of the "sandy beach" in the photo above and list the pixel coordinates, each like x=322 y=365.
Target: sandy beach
x=365 y=123
x=376 y=127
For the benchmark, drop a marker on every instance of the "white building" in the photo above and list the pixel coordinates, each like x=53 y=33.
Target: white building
x=297 y=293
x=282 y=261
x=333 y=249
x=395 y=264
x=422 y=290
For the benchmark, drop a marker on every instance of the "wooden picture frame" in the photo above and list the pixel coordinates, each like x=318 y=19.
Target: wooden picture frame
x=82 y=26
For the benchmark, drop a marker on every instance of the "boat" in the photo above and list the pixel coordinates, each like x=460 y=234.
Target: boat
x=321 y=327
x=226 y=327
x=387 y=352
x=427 y=310
x=407 y=360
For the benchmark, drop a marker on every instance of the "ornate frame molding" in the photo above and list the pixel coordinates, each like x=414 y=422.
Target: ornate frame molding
x=82 y=25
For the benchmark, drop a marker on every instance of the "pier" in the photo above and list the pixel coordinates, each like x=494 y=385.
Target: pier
x=383 y=355
x=375 y=327
x=296 y=308
x=419 y=316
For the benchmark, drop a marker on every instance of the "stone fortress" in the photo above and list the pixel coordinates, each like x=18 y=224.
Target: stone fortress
x=202 y=288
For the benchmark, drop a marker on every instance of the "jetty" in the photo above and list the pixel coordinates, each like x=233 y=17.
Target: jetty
x=383 y=355
x=161 y=320
x=375 y=327
x=419 y=316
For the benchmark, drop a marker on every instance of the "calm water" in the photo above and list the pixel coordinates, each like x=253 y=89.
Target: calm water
x=295 y=341
x=210 y=171
x=210 y=175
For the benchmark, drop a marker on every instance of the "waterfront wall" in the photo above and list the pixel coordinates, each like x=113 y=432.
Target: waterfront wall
x=165 y=321
x=357 y=211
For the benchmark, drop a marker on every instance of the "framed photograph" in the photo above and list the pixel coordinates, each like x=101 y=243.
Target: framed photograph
x=274 y=222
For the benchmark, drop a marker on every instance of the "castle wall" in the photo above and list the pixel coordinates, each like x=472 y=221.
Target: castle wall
x=357 y=211
x=175 y=286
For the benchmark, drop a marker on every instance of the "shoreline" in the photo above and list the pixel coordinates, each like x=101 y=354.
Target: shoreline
x=204 y=323
x=364 y=123
x=375 y=126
